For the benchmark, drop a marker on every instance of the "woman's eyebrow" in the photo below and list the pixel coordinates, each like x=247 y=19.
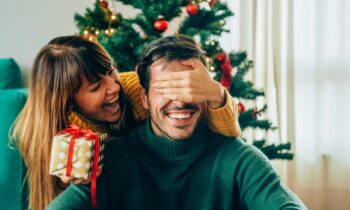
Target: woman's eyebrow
x=92 y=83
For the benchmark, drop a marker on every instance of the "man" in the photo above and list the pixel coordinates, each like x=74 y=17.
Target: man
x=173 y=161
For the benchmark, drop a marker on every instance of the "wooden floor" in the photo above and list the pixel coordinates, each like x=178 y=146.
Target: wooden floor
x=325 y=200
x=316 y=188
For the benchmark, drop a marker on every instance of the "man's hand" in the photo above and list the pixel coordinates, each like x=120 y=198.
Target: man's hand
x=192 y=86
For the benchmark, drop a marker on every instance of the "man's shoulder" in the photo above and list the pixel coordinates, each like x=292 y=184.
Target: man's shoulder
x=234 y=147
x=225 y=141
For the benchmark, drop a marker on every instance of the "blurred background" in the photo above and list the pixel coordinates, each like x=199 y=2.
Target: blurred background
x=301 y=54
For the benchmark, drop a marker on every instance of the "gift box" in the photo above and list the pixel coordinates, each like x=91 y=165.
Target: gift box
x=80 y=161
x=77 y=153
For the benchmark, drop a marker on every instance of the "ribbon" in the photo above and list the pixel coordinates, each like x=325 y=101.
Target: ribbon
x=76 y=132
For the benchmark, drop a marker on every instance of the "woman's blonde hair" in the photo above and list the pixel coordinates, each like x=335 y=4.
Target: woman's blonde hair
x=54 y=78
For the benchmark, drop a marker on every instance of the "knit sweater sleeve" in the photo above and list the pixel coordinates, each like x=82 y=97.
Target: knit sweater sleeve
x=77 y=197
x=223 y=120
x=260 y=186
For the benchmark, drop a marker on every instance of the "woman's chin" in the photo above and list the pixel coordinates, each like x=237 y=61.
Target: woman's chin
x=113 y=118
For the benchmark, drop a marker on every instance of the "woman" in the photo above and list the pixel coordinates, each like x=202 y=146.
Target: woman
x=74 y=80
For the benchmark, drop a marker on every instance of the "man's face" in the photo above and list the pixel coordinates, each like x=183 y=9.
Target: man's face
x=172 y=119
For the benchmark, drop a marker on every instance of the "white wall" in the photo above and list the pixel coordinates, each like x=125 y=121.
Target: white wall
x=27 y=25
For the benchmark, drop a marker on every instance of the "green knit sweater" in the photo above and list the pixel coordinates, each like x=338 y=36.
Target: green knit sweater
x=205 y=172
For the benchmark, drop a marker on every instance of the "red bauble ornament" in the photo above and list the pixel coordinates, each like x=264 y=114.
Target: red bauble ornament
x=226 y=81
x=192 y=8
x=213 y=2
x=226 y=69
x=104 y=4
x=221 y=57
x=241 y=107
x=161 y=24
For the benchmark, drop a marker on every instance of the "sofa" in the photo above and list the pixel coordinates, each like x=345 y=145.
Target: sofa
x=13 y=190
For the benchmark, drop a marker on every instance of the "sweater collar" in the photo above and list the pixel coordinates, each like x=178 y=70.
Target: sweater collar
x=84 y=123
x=174 y=151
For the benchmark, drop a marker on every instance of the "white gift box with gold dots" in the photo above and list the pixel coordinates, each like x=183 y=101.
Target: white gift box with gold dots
x=83 y=155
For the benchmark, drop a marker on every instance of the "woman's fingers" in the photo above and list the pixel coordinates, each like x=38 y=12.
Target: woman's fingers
x=195 y=64
x=190 y=86
x=171 y=76
x=172 y=84
x=67 y=179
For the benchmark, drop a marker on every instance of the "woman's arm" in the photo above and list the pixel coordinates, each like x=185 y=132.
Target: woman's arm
x=224 y=120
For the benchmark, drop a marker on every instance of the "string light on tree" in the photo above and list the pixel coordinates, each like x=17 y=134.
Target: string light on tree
x=222 y=22
x=86 y=34
x=207 y=59
x=145 y=37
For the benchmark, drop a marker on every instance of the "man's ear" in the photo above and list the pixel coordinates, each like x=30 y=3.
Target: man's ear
x=144 y=99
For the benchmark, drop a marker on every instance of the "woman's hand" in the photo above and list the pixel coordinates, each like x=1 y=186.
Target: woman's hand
x=192 y=86
x=67 y=180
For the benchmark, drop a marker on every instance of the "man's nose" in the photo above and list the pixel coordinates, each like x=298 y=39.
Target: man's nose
x=179 y=104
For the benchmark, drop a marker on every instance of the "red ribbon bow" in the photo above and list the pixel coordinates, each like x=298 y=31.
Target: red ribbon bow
x=76 y=131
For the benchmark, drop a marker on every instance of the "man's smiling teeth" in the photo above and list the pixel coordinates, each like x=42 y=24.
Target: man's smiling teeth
x=179 y=115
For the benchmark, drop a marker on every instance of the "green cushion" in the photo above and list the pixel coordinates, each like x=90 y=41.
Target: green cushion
x=10 y=74
x=12 y=194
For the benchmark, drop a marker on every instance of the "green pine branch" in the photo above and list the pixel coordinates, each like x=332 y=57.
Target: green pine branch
x=238 y=58
x=127 y=41
x=153 y=8
x=274 y=151
x=249 y=119
x=206 y=23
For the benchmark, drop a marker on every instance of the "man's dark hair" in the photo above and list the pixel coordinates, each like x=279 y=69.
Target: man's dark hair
x=170 y=48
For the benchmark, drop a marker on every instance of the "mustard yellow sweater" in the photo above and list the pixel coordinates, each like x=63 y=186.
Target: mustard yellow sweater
x=223 y=120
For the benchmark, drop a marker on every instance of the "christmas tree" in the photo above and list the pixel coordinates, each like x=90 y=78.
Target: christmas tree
x=124 y=39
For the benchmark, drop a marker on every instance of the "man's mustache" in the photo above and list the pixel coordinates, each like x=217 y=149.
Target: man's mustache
x=185 y=107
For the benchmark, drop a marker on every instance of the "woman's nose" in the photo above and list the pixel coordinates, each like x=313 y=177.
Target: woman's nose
x=112 y=86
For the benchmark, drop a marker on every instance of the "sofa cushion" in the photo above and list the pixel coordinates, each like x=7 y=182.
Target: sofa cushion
x=13 y=193
x=10 y=74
